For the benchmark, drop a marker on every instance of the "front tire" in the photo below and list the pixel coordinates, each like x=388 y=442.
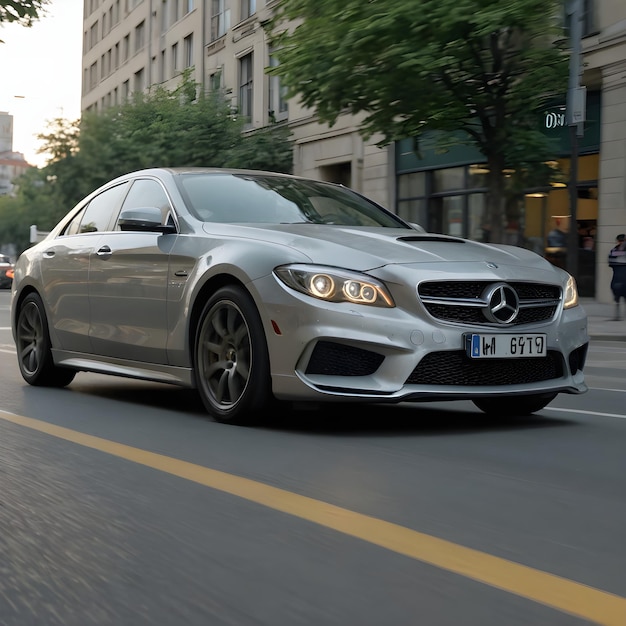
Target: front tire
x=34 y=349
x=231 y=359
x=514 y=405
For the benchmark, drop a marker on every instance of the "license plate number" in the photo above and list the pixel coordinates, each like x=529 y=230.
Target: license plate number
x=483 y=346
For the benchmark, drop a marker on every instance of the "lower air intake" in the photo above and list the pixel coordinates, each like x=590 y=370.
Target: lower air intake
x=456 y=368
x=337 y=359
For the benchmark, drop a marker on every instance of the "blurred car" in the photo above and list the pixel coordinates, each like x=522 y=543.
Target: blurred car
x=256 y=288
x=6 y=272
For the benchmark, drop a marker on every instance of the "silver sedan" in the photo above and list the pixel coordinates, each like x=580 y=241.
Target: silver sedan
x=256 y=288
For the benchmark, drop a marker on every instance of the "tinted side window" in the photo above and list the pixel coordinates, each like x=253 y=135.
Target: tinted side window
x=148 y=193
x=73 y=227
x=100 y=211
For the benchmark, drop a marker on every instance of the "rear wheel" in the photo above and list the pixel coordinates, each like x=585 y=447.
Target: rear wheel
x=231 y=359
x=34 y=354
x=514 y=405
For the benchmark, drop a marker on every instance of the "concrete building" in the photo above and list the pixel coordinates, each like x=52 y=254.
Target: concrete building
x=130 y=45
x=604 y=55
x=12 y=164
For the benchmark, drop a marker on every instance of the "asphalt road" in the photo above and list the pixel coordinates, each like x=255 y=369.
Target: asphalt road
x=122 y=503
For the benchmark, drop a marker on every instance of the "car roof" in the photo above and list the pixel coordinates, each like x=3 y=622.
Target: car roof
x=175 y=171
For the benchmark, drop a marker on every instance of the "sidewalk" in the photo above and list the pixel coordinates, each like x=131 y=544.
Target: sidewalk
x=600 y=322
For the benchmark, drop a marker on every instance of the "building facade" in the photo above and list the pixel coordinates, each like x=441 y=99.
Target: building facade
x=131 y=45
x=12 y=164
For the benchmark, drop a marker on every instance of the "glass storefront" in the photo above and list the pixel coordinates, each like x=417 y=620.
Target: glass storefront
x=445 y=193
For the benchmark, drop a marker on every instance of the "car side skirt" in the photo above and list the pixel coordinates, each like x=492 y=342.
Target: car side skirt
x=181 y=376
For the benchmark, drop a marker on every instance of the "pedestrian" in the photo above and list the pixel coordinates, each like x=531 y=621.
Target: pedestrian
x=557 y=237
x=617 y=262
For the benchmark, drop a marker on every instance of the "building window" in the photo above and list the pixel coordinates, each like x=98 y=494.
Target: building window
x=162 y=67
x=278 y=108
x=139 y=80
x=164 y=16
x=93 y=75
x=125 y=47
x=245 y=86
x=93 y=35
x=445 y=201
x=215 y=81
x=449 y=179
x=175 y=64
x=220 y=19
x=189 y=6
x=188 y=45
x=140 y=35
x=412 y=198
x=175 y=10
x=248 y=8
x=125 y=90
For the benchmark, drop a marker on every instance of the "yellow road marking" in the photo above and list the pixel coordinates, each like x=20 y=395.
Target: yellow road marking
x=559 y=593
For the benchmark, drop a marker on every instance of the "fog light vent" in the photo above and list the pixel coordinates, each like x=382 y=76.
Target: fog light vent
x=337 y=359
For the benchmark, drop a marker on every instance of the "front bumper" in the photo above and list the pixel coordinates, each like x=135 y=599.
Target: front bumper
x=333 y=352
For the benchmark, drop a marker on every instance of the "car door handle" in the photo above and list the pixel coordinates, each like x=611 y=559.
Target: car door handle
x=104 y=251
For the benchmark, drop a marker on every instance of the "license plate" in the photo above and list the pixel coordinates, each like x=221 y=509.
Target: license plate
x=508 y=346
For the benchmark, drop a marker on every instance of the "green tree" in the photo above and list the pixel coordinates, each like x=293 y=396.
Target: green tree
x=24 y=12
x=474 y=71
x=183 y=127
x=163 y=128
x=268 y=148
x=36 y=202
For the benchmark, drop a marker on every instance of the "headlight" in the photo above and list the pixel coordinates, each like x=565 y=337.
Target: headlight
x=334 y=284
x=571 y=294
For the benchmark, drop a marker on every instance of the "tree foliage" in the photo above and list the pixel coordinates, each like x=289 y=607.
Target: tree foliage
x=481 y=69
x=23 y=12
x=162 y=128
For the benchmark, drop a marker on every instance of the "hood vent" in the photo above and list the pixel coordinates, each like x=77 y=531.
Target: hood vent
x=428 y=238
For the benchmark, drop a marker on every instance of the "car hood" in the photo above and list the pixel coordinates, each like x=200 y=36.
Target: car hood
x=369 y=248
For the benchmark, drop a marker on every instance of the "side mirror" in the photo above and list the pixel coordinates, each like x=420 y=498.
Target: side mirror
x=144 y=219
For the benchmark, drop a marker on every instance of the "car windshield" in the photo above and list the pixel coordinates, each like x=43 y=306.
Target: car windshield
x=235 y=197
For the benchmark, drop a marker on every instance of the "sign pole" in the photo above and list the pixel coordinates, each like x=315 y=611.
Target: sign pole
x=576 y=111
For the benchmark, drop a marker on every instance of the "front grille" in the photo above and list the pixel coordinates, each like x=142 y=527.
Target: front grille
x=464 y=301
x=474 y=315
x=337 y=359
x=456 y=368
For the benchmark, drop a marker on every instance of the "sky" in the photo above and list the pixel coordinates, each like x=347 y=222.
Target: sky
x=40 y=73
